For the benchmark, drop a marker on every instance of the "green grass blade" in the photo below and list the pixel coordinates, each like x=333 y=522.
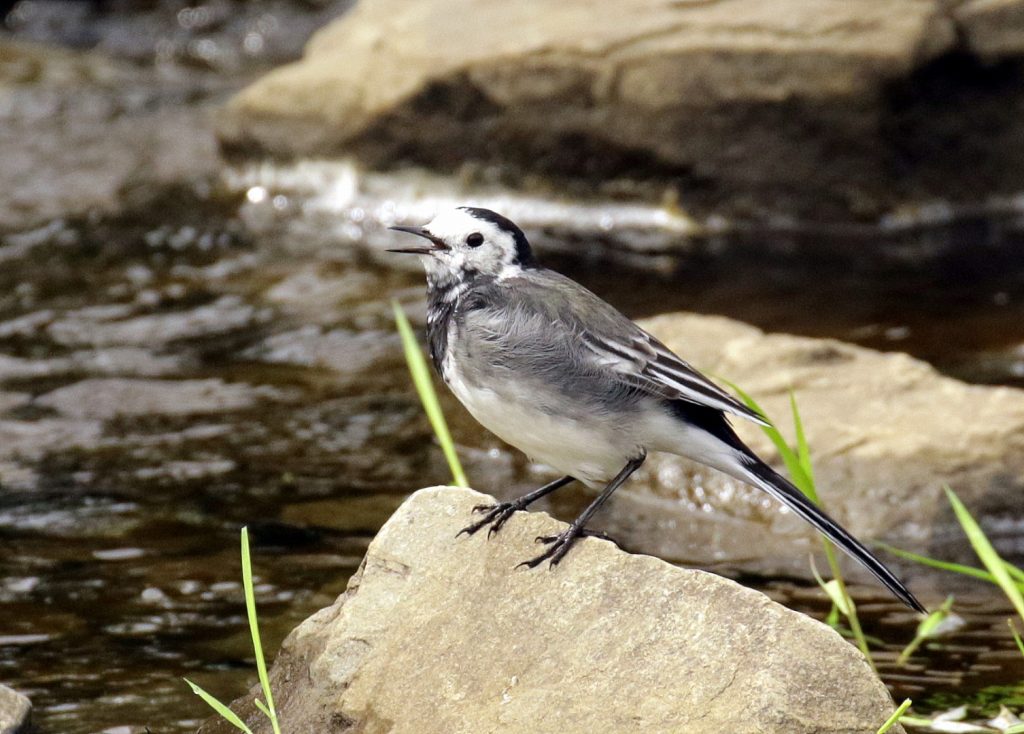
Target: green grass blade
x=1016 y=635
x=977 y=573
x=833 y=590
x=919 y=722
x=425 y=387
x=986 y=553
x=254 y=629
x=227 y=714
x=1017 y=573
x=803 y=450
x=891 y=721
x=925 y=630
x=789 y=457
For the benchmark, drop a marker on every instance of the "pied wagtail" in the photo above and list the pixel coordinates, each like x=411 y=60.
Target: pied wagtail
x=552 y=369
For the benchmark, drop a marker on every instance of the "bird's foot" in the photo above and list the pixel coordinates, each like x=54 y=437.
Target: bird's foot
x=559 y=545
x=496 y=516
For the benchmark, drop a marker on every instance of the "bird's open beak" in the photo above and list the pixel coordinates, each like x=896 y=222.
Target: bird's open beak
x=436 y=244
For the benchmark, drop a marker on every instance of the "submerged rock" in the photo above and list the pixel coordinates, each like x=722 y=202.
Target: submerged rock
x=443 y=634
x=15 y=710
x=812 y=105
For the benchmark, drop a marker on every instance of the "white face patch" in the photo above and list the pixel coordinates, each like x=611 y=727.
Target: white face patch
x=461 y=231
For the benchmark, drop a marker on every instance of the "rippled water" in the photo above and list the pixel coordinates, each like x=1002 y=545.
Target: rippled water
x=228 y=358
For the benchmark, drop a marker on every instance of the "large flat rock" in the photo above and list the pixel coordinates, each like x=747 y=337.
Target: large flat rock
x=821 y=106
x=438 y=634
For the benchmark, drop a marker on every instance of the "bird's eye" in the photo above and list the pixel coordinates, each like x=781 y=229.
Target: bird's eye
x=475 y=240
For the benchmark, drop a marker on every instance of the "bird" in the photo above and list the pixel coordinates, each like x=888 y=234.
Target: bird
x=552 y=369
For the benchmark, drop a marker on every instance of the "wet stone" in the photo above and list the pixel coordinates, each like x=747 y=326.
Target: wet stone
x=15 y=710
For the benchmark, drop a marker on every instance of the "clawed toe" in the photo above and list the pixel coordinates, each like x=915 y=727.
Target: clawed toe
x=559 y=546
x=581 y=534
x=497 y=515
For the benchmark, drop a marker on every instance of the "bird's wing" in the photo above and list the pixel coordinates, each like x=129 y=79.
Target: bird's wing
x=646 y=363
x=611 y=342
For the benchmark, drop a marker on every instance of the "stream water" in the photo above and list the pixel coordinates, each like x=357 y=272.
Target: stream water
x=175 y=373
x=220 y=352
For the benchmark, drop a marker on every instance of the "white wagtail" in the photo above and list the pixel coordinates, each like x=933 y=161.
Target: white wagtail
x=563 y=376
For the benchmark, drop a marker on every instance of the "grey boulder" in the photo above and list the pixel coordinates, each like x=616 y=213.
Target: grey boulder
x=821 y=107
x=443 y=634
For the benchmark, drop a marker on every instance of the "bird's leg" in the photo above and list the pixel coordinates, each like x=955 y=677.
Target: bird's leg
x=559 y=544
x=498 y=514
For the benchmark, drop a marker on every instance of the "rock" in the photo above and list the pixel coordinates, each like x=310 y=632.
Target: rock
x=886 y=432
x=15 y=711
x=994 y=29
x=439 y=634
x=812 y=106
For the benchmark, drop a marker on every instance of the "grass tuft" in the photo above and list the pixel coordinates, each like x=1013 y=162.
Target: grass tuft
x=225 y=713
x=250 y=606
x=986 y=553
x=926 y=630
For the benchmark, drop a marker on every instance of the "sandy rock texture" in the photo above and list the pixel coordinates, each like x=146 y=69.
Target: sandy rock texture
x=15 y=711
x=820 y=107
x=886 y=432
x=438 y=634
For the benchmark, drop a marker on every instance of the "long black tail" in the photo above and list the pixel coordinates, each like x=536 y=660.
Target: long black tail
x=764 y=477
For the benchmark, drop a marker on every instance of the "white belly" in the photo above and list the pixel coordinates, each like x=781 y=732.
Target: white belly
x=587 y=452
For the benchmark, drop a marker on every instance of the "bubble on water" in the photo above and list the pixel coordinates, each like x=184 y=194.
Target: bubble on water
x=256 y=194
x=153 y=595
x=253 y=43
